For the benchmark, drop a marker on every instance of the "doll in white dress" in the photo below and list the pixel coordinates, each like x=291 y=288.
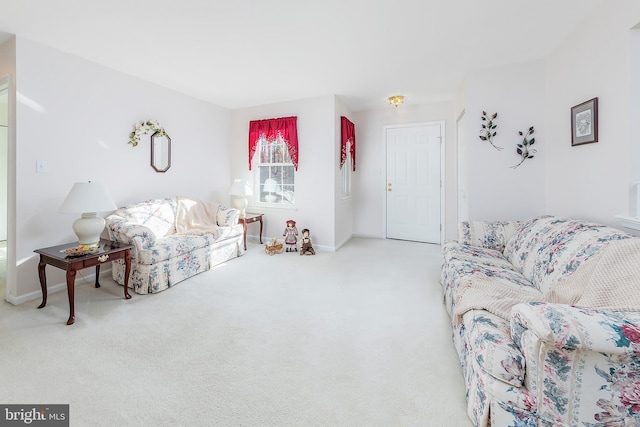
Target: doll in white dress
x=291 y=236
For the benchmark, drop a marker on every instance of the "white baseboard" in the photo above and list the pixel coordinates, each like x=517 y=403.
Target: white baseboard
x=368 y=236
x=51 y=289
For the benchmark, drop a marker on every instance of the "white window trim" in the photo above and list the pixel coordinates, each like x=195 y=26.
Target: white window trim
x=257 y=185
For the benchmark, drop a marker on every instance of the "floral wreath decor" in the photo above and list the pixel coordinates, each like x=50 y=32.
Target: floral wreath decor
x=144 y=128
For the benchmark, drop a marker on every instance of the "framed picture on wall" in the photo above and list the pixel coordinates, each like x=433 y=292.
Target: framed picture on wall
x=584 y=122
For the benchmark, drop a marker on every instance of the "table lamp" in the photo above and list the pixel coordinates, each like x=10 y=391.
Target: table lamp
x=270 y=187
x=240 y=188
x=88 y=198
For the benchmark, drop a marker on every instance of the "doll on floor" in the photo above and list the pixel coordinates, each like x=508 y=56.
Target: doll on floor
x=291 y=236
x=306 y=246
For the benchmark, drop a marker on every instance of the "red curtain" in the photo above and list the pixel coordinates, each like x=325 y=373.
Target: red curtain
x=348 y=135
x=286 y=127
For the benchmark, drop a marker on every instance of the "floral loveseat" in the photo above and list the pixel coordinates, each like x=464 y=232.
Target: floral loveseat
x=173 y=239
x=546 y=322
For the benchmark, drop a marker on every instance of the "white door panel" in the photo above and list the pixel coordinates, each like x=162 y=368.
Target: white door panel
x=413 y=183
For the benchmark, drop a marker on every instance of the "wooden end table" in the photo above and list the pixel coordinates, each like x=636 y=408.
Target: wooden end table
x=55 y=255
x=248 y=219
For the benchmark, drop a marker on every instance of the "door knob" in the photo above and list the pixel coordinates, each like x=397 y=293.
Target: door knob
x=389 y=187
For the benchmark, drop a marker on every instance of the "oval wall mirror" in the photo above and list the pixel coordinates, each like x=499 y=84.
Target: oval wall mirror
x=160 y=152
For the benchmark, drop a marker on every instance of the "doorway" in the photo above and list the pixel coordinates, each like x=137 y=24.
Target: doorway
x=414 y=182
x=463 y=198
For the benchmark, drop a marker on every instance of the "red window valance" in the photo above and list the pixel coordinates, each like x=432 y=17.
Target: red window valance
x=286 y=127
x=348 y=135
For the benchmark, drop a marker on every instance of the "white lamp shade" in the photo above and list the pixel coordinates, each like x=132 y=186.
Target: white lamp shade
x=270 y=185
x=240 y=187
x=88 y=197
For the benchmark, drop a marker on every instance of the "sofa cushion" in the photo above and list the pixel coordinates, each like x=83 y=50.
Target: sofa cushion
x=548 y=249
x=158 y=215
x=463 y=261
x=454 y=251
x=178 y=244
x=486 y=234
x=173 y=246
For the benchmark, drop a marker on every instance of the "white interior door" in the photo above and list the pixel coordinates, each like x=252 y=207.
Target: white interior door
x=413 y=182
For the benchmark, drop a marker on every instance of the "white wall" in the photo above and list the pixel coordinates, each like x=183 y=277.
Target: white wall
x=315 y=178
x=495 y=190
x=369 y=180
x=76 y=116
x=594 y=181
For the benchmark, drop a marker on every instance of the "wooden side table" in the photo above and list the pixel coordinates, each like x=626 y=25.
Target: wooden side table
x=55 y=255
x=248 y=219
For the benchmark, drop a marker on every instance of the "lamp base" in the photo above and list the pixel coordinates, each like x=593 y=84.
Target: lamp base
x=88 y=228
x=241 y=203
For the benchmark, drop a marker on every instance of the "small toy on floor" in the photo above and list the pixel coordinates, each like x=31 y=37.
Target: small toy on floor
x=291 y=236
x=306 y=245
x=274 y=247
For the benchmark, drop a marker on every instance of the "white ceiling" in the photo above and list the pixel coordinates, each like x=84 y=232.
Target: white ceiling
x=240 y=53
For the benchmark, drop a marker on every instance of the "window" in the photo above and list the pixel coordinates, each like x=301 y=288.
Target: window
x=346 y=172
x=347 y=153
x=275 y=172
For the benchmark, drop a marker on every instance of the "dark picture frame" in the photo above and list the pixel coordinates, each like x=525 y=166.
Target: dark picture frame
x=584 y=122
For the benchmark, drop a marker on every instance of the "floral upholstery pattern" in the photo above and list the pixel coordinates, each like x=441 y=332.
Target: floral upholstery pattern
x=162 y=258
x=462 y=261
x=490 y=235
x=548 y=364
x=581 y=348
x=548 y=249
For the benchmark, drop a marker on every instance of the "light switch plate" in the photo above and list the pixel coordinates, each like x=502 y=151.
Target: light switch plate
x=41 y=166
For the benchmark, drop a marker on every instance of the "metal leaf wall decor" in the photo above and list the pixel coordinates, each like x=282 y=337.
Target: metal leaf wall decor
x=488 y=130
x=524 y=148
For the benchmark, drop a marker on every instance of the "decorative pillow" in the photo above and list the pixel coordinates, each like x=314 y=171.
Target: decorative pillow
x=486 y=234
x=222 y=217
x=158 y=215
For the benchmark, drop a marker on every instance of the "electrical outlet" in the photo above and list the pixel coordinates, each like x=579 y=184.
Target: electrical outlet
x=41 y=166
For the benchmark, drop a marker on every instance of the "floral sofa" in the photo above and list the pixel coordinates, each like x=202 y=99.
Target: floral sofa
x=173 y=239
x=546 y=322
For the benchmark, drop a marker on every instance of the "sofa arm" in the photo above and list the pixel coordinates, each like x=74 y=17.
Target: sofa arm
x=580 y=358
x=486 y=234
x=227 y=217
x=124 y=231
x=573 y=328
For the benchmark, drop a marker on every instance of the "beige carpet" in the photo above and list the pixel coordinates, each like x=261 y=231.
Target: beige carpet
x=353 y=338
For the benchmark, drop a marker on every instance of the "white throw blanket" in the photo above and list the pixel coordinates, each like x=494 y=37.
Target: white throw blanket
x=610 y=280
x=196 y=217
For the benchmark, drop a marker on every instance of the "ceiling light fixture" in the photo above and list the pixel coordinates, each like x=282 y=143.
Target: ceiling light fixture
x=396 y=100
